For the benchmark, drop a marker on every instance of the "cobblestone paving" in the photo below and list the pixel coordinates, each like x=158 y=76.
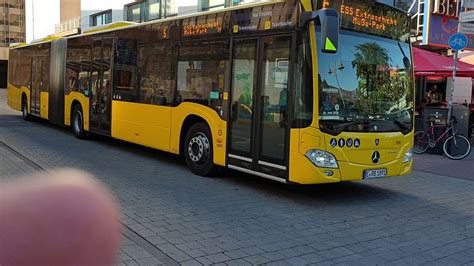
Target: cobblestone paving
x=173 y=217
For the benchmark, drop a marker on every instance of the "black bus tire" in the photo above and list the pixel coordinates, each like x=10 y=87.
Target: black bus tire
x=24 y=109
x=198 y=150
x=77 y=123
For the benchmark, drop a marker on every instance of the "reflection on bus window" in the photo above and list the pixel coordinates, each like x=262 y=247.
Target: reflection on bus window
x=201 y=74
x=368 y=80
x=157 y=64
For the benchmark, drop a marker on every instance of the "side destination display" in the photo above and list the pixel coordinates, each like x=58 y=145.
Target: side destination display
x=279 y=16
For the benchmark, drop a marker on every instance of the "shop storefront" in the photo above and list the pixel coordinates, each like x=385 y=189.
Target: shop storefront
x=437 y=22
x=434 y=80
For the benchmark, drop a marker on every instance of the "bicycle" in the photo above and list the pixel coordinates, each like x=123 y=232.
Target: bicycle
x=458 y=41
x=455 y=146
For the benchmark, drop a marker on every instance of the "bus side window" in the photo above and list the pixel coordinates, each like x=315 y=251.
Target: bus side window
x=202 y=69
x=157 y=64
x=78 y=66
x=126 y=69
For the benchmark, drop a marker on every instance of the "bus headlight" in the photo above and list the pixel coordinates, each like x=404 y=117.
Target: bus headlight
x=322 y=159
x=408 y=156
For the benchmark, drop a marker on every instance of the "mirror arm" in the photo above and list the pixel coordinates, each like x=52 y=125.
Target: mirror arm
x=307 y=17
x=329 y=20
x=318 y=16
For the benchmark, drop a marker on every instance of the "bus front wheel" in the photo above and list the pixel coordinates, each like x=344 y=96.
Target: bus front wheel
x=198 y=150
x=78 y=122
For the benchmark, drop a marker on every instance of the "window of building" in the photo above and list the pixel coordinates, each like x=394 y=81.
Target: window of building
x=134 y=12
x=214 y=5
x=102 y=18
x=153 y=10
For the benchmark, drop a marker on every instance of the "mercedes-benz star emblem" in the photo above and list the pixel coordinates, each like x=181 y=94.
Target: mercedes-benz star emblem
x=376 y=157
x=377 y=142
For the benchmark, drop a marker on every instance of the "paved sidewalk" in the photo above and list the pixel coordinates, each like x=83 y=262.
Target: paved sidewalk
x=442 y=165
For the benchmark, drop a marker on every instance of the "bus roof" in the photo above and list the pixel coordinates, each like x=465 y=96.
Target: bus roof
x=105 y=29
x=127 y=24
x=35 y=42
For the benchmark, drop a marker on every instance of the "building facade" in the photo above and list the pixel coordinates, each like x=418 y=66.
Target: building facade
x=13 y=31
x=147 y=10
x=76 y=18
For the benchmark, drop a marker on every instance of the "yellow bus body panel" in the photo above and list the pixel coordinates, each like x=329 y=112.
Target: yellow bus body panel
x=302 y=170
x=14 y=96
x=216 y=124
x=83 y=100
x=352 y=161
x=160 y=127
x=144 y=124
x=44 y=105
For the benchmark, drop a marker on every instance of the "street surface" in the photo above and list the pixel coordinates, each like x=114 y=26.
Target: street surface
x=173 y=217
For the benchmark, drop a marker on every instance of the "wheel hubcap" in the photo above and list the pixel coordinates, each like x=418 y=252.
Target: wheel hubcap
x=199 y=148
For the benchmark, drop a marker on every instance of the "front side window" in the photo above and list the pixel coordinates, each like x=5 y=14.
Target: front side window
x=367 y=86
x=303 y=107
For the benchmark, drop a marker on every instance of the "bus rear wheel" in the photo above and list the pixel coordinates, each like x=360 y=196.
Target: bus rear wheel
x=24 y=109
x=198 y=151
x=78 y=122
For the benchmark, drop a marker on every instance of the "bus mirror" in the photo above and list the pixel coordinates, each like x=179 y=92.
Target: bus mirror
x=328 y=19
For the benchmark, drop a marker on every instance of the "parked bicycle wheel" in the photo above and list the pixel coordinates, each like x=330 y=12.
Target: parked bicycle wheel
x=422 y=142
x=457 y=147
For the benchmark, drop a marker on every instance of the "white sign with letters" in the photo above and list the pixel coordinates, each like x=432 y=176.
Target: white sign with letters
x=467 y=28
x=469 y=3
x=466 y=16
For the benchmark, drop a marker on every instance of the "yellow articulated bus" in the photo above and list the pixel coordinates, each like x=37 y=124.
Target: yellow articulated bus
x=297 y=91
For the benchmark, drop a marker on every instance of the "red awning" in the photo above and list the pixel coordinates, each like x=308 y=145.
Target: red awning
x=432 y=64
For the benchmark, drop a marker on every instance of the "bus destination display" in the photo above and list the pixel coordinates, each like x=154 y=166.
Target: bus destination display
x=372 y=18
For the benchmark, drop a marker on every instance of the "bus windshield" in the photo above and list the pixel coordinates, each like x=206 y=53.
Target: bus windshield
x=367 y=86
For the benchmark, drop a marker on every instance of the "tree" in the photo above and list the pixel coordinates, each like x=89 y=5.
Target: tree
x=379 y=83
x=370 y=62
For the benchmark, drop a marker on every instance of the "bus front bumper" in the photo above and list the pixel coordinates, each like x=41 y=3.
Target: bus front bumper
x=303 y=171
x=350 y=171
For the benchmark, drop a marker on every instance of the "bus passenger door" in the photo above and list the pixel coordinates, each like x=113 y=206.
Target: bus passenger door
x=35 y=87
x=101 y=85
x=259 y=130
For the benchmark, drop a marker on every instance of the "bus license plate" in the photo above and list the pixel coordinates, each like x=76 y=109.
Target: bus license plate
x=369 y=174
